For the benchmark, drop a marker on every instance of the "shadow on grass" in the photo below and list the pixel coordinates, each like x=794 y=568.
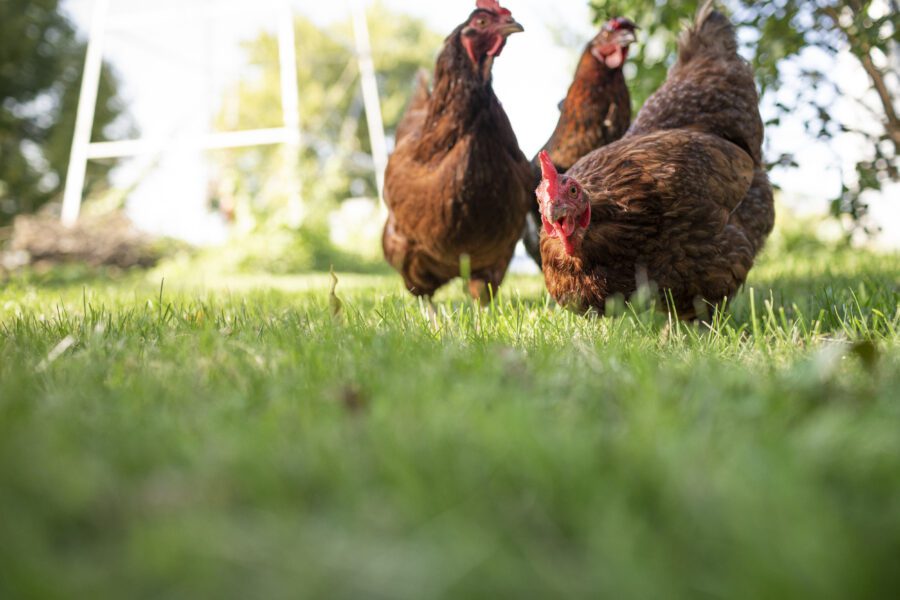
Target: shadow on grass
x=322 y=262
x=841 y=293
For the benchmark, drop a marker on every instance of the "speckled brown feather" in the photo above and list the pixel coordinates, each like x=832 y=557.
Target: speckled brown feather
x=683 y=199
x=710 y=88
x=596 y=112
x=457 y=182
x=417 y=110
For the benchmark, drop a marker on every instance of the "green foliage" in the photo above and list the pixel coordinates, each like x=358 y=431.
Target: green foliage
x=247 y=443
x=335 y=163
x=774 y=33
x=41 y=61
x=273 y=248
x=660 y=24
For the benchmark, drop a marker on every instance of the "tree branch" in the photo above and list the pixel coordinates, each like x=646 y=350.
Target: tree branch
x=864 y=54
x=893 y=122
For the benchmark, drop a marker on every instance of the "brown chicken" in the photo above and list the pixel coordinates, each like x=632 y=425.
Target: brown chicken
x=682 y=201
x=596 y=112
x=457 y=183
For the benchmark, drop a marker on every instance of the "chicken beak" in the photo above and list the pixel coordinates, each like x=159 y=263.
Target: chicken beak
x=507 y=29
x=559 y=212
x=626 y=38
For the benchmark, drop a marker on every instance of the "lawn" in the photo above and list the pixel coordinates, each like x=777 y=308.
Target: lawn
x=232 y=438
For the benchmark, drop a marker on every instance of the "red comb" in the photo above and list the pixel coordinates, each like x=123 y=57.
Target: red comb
x=548 y=169
x=492 y=6
x=618 y=23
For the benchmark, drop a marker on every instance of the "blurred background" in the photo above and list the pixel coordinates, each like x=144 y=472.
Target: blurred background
x=170 y=175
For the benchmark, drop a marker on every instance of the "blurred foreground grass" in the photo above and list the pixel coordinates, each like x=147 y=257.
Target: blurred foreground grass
x=229 y=437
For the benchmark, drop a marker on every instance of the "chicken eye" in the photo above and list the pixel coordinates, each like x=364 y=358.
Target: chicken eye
x=481 y=22
x=573 y=191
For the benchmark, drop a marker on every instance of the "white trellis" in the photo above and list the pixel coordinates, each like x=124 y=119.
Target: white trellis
x=288 y=135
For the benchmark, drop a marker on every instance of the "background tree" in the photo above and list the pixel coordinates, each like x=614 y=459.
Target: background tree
x=802 y=34
x=41 y=62
x=335 y=162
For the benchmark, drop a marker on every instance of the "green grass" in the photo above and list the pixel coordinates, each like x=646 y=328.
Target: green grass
x=231 y=438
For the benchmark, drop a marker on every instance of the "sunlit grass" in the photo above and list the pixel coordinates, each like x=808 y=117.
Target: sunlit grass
x=233 y=437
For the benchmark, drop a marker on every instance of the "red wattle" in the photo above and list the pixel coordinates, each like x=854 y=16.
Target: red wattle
x=497 y=47
x=467 y=42
x=616 y=59
x=548 y=227
x=585 y=220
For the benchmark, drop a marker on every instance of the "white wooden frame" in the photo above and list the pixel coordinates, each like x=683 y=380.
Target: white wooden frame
x=371 y=98
x=289 y=135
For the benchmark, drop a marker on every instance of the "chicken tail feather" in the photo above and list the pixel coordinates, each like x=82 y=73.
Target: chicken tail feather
x=711 y=33
x=421 y=93
x=417 y=108
x=704 y=12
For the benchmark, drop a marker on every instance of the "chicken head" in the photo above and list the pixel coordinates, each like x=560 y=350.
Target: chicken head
x=488 y=27
x=612 y=43
x=565 y=209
